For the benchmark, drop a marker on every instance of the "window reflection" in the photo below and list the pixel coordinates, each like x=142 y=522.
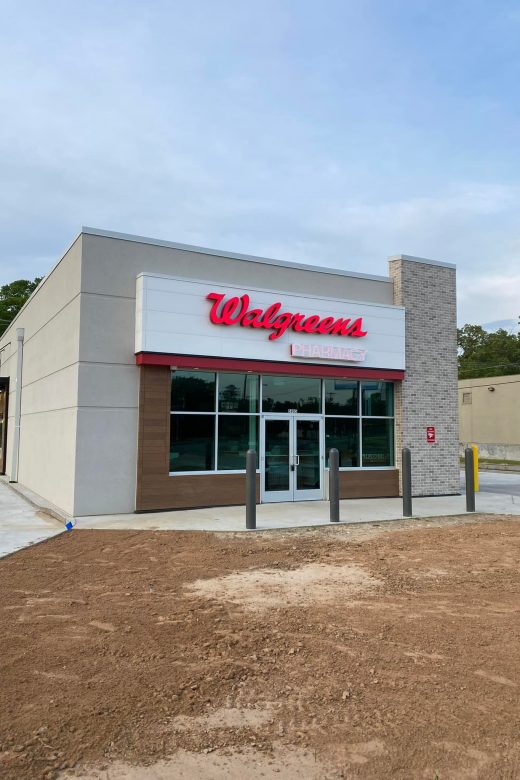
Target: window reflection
x=236 y=435
x=282 y=393
x=209 y=433
x=341 y=397
x=378 y=442
x=193 y=391
x=343 y=434
x=238 y=393
x=192 y=442
x=378 y=399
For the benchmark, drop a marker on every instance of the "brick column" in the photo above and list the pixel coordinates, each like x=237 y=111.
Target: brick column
x=428 y=395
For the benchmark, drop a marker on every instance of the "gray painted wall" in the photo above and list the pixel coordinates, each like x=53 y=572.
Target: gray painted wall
x=106 y=475
x=78 y=441
x=51 y=321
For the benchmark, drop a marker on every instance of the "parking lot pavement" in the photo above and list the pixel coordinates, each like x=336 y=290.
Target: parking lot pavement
x=499 y=482
x=21 y=524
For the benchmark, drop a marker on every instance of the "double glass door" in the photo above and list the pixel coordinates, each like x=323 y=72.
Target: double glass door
x=291 y=460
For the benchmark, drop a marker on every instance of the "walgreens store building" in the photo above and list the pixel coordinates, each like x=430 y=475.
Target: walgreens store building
x=140 y=372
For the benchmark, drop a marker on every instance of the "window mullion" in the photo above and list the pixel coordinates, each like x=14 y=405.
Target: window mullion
x=217 y=392
x=216 y=442
x=360 y=424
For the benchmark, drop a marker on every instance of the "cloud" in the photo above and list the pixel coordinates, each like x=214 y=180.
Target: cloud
x=410 y=214
x=487 y=297
x=473 y=225
x=260 y=129
x=427 y=220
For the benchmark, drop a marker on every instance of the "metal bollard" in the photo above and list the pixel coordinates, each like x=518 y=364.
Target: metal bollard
x=251 y=490
x=475 y=466
x=334 y=485
x=470 y=479
x=406 y=468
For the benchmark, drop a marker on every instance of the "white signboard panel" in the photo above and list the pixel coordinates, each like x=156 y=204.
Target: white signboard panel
x=176 y=316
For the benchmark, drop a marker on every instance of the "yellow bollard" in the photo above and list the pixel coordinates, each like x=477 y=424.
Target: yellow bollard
x=475 y=465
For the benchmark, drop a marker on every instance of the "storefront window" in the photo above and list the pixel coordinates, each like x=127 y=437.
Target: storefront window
x=343 y=434
x=193 y=391
x=282 y=393
x=204 y=437
x=341 y=397
x=238 y=393
x=236 y=435
x=215 y=417
x=375 y=446
x=378 y=442
x=192 y=442
x=378 y=399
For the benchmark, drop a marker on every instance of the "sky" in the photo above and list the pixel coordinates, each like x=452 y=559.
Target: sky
x=335 y=133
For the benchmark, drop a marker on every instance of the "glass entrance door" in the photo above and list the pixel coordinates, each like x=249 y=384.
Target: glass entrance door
x=307 y=450
x=291 y=459
x=277 y=464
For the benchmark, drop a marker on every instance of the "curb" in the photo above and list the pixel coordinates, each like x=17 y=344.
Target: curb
x=498 y=467
x=36 y=501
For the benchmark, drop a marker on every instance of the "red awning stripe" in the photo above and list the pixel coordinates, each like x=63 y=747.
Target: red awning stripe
x=265 y=366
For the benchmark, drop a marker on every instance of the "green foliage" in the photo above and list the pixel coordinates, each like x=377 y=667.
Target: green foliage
x=487 y=354
x=13 y=297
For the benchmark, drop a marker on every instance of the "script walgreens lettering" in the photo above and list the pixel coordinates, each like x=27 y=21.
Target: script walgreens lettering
x=235 y=311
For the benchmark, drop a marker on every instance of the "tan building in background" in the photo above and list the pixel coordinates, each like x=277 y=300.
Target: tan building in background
x=489 y=415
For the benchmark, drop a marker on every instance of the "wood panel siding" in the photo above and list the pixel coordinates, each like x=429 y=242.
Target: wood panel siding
x=369 y=484
x=156 y=489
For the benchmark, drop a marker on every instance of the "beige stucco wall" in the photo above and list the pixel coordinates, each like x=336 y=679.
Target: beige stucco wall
x=78 y=434
x=51 y=323
x=106 y=476
x=492 y=419
x=113 y=265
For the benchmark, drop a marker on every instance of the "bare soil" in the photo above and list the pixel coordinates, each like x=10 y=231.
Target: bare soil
x=371 y=651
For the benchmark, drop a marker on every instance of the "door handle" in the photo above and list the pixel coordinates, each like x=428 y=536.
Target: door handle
x=297 y=460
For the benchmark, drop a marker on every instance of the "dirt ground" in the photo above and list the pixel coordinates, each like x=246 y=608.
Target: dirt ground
x=371 y=651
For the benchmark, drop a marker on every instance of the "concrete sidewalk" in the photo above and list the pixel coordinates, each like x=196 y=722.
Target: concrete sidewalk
x=22 y=524
x=301 y=514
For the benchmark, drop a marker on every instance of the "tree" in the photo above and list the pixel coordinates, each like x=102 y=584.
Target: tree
x=13 y=297
x=487 y=354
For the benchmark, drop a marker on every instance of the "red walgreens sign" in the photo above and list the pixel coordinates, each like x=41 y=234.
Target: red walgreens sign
x=430 y=434
x=236 y=311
